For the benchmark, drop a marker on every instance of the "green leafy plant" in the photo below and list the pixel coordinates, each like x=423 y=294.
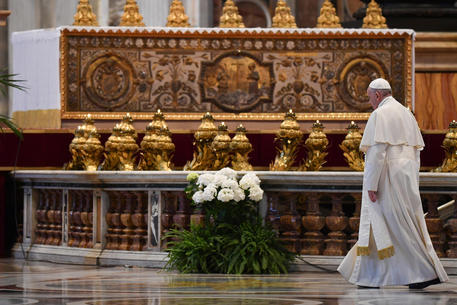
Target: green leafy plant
x=232 y=239
x=8 y=80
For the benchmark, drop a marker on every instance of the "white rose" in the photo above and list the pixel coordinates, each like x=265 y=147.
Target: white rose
x=228 y=172
x=219 y=179
x=205 y=179
x=255 y=193
x=249 y=180
x=210 y=192
x=239 y=195
x=198 y=197
x=225 y=195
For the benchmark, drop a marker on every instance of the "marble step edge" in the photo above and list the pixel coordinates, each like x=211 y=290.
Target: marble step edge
x=155 y=259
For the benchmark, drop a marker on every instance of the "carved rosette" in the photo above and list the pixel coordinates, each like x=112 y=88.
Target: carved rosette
x=289 y=138
x=450 y=147
x=283 y=17
x=316 y=145
x=328 y=17
x=131 y=16
x=204 y=156
x=221 y=147
x=241 y=147
x=350 y=148
x=374 y=18
x=230 y=17
x=84 y=15
x=177 y=16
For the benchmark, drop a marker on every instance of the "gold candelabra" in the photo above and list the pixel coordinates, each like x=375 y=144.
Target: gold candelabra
x=316 y=145
x=84 y=15
x=289 y=138
x=203 y=157
x=374 y=18
x=221 y=147
x=241 y=147
x=85 y=148
x=230 y=17
x=157 y=147
x=283 y=17
x=121 y=148
x=131 y=16
x=350 y=148
x=328 y=17
x=450 y=148
x=177 y=16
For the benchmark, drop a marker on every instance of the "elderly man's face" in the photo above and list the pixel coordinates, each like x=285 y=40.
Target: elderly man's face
x=373 y=98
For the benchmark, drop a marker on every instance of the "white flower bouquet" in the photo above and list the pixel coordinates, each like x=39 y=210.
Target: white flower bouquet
x=221 y=195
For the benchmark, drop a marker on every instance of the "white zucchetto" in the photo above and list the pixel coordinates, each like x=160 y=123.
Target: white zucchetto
x=380 y=83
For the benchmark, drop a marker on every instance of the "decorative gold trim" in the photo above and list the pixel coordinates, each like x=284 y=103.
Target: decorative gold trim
x=363 y=251
x=409 y=75
x=386 y=252
x=236 y=33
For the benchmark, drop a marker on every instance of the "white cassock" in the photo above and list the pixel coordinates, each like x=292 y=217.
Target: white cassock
x=394 y=247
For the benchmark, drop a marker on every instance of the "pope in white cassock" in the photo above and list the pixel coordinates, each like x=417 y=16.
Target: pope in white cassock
x=394 y=247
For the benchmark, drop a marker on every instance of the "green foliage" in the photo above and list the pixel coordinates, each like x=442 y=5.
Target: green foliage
x=7 y=80
x=242 y=249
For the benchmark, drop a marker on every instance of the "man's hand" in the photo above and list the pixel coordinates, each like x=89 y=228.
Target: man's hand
x=372 y=195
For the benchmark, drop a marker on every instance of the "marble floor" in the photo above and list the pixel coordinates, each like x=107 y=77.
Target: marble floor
x=32 y=282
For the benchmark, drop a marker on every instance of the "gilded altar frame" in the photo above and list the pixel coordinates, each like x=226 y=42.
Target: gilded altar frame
x=104 y=69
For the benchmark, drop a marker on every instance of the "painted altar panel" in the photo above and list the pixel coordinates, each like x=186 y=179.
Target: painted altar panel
x=249 y=74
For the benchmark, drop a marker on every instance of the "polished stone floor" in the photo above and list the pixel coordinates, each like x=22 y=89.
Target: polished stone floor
x=31 y=282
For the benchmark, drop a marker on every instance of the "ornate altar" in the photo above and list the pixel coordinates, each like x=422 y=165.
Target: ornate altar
x=236 y=74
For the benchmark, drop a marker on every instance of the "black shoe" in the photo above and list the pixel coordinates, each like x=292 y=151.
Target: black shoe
x=366 y=287
x=425 y=284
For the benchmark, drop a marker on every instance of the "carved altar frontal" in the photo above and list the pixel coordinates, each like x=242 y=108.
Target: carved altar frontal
x=236 y=74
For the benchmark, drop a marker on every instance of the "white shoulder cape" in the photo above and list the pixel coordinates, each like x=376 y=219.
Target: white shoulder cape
x=391 y=123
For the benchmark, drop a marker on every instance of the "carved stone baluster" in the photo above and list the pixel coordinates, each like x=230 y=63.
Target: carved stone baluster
x=273 y=217
x=51 y=206
x=290 y=224
x=313 y=222
x=71 y=224
x=109 y=235
x=86 y=214
x=57 y=218
x=354 y=221
x=168 y=210
x=77 y=219
x=126 y=220
x=181 y=219
x=336 y=244
x=90 y=218
x=40 y=215
x=435 y=224
x=452 y=233
x=138 y=220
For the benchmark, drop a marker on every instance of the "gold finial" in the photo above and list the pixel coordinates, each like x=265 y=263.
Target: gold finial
x=131 y=16
x=230 y=17
x=177 y=16
x=350 y=148
x=316 y=144
x=221 y=148
x=84 y=15
x=450 y=149
x=240 y=148
x=374 y=18
x=283 y=17
x=289 y=138
x=328 y=17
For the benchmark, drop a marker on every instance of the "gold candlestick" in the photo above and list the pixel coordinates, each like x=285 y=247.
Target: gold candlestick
x=241 y=147
x=316 y=145
x=450 y=148
x=84 y=15
x=177 y=16
x=221 y=147
x=328 y=17
x=374 y=18
x=131 y=16
x=350 y=148
x=289 y=138
x=283 y=17
x=230 y=17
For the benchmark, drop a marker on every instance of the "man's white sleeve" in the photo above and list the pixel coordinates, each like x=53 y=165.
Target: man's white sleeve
x=374 y=163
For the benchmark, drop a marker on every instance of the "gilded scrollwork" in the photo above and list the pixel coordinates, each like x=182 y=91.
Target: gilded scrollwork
x=232 y=76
